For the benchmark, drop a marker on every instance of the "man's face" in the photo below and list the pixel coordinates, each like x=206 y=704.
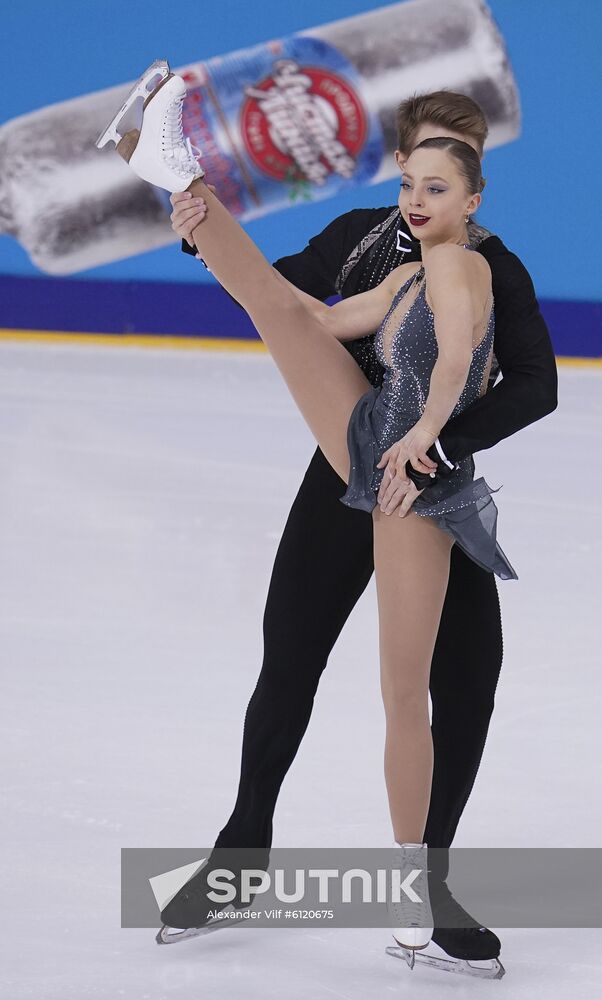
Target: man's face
x=428 y=131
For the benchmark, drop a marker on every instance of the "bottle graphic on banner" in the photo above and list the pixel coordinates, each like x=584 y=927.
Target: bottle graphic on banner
x=288 y=121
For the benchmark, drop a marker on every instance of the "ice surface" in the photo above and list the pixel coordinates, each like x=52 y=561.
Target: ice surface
x=143 y=494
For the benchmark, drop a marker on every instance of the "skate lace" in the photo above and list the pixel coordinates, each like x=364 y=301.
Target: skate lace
x=177 y=149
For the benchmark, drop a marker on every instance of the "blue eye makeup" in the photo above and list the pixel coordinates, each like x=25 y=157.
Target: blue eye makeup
x=431 y=190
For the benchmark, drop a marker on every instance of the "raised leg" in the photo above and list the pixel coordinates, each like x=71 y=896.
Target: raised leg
x=323 y=378
x=411 y=560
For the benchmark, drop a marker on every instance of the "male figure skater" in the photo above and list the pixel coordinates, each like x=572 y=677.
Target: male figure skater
x=325 y=559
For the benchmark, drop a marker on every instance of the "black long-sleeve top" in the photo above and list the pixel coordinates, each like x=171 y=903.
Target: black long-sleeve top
x=522 y=346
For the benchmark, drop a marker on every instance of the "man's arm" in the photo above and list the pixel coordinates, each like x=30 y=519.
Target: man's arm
x=522 y=346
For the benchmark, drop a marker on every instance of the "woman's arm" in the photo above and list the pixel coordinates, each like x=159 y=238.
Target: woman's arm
x=456 y=299
x=451 y=284
x=241 y=268
x=528 y=390
x=316 y=269
x=358 y=316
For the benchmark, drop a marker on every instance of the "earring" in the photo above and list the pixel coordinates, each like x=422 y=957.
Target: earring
x=467 y=219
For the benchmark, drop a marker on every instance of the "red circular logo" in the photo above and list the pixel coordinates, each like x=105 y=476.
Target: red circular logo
x=303 y=123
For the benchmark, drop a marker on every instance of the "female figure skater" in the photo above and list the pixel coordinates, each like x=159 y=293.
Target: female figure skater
x=435 y=343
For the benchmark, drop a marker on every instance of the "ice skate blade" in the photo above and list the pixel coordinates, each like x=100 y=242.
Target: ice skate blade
x=153 y=77
x=460 y=966
x=171 y=935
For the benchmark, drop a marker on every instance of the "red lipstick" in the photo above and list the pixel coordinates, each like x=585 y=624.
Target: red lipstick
x=418 y=220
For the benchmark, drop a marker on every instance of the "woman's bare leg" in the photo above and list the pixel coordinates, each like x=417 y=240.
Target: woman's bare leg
x=411 y=554
x=323 y=378
x=411 y=562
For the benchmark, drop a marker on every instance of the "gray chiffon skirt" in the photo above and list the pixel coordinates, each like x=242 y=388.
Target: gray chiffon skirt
x=459 y=504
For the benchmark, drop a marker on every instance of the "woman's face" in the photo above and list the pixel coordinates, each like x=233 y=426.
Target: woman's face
x=433 y=189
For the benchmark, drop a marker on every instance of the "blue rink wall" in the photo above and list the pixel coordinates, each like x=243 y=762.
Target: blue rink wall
x=46 y=306
x=542 y=193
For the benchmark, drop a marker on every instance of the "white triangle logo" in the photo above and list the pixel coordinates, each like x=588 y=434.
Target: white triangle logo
x=166 y=885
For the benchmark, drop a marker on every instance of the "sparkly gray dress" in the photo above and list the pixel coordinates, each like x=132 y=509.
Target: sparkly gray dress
x=458 y=503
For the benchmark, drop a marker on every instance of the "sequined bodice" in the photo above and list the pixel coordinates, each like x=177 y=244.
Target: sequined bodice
x=406 y=347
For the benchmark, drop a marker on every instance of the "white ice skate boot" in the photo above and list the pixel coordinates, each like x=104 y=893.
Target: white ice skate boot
x=413 y=912
x=157 y=151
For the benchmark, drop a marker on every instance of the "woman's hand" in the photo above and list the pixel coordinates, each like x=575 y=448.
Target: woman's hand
x=396 y=488
x=397 y=493
x=416 y=443
x=188 y=213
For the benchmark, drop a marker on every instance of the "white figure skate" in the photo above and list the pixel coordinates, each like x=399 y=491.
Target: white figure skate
x=157 y=151
x=414 y=936
x=413 y=912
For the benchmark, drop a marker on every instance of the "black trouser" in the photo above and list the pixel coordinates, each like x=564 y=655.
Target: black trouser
x=323 y=564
